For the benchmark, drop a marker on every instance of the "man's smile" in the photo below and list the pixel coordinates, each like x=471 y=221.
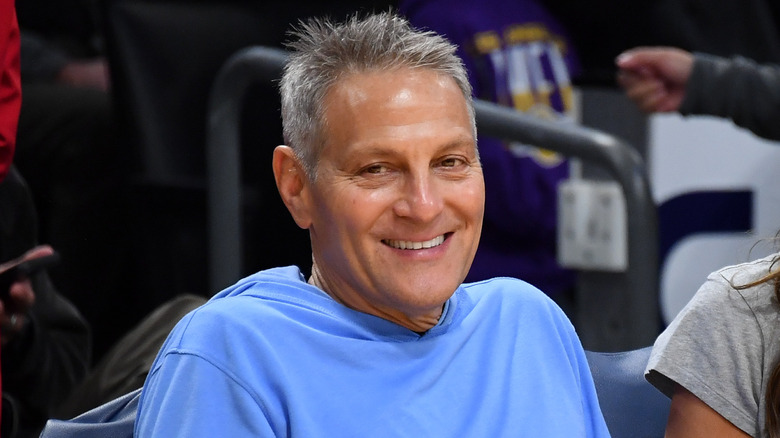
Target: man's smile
x=409 y=244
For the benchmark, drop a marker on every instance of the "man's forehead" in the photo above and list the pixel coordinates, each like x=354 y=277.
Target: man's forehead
x=397 y=89
x=398 y=75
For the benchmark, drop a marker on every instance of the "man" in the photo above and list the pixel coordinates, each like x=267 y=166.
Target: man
x=383 y=340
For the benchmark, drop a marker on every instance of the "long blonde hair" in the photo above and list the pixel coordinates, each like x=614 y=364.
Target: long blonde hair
x=773 y=386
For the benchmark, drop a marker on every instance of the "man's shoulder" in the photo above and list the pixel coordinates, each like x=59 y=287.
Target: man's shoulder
x=506 y=293
x=261 y=298
x=505 y=288
x=272 y=278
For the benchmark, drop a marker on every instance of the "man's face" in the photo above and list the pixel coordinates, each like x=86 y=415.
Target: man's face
x=396 y=209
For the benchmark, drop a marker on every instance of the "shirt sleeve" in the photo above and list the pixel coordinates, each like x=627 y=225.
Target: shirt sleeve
x=713 y=349
x=188 y=395
x=737 y=88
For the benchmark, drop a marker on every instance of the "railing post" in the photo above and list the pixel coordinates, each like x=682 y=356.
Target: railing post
x=223 y=157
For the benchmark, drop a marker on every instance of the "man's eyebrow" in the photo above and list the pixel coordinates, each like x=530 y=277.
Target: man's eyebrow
x=463 y=141
x=372 y=149
x=377 y=148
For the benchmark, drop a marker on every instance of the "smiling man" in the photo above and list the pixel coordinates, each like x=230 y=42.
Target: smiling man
x=382 y=340
x=395 y=208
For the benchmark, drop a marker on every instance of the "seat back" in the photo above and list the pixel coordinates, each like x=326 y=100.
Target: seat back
x=632 y=407
x=114 y=419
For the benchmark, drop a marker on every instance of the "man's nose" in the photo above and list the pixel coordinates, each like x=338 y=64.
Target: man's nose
x=422 y=198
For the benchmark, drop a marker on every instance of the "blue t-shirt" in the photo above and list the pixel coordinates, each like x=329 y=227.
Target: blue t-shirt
x=274 y=356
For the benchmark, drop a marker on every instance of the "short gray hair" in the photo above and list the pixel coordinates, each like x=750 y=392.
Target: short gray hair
x=324 y=52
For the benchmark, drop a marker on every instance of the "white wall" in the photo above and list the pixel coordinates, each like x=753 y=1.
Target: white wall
x=704 y=154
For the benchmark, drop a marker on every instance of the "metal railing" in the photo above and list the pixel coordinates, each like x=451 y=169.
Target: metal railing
x=617 y=311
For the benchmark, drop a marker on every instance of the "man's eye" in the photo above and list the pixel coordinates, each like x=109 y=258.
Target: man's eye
x=375 y=169
x=451 y=162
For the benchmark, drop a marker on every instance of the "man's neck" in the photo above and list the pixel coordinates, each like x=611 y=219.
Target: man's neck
x=420 y=324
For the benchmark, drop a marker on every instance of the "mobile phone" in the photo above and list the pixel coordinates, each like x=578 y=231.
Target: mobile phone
x=25 y=269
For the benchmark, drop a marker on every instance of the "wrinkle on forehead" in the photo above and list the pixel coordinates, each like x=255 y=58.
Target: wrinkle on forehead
x=398 y=104
x=403 y=79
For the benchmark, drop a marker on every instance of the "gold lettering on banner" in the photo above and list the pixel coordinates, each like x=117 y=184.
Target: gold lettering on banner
x=487 y=42
x=520 y=56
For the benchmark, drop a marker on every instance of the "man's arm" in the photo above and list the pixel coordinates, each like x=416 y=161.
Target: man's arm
x=667 y=79
x=188 y=395
x=43 y=62
x=736 y=88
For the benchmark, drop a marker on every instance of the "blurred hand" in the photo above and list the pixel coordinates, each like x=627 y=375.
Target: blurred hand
x=91 y=73
x=655 y=77
x=21 y=297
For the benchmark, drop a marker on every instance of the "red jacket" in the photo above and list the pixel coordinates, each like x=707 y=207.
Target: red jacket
x=10 y=84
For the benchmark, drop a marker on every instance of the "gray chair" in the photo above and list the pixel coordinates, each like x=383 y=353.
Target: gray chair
x=114 y=419
x=632 y=407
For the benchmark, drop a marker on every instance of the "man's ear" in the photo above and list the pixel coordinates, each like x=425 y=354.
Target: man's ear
x=293 y=185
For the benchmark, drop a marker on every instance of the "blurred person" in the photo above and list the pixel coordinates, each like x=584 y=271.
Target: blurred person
x=383 y=339
x=517 y=54
x=70 y=156
x=44 y=342
x=669 y=79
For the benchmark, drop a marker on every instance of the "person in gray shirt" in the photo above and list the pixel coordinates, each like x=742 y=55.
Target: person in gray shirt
x=718 y=359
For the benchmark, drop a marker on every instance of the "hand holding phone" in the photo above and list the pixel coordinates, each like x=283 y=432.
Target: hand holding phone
x=24 y=267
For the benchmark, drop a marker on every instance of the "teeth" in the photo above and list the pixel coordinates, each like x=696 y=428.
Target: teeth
x=407 y=244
